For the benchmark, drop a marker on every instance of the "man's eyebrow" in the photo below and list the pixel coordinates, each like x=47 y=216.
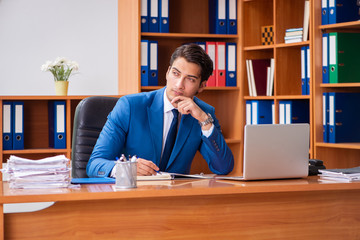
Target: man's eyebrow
x=193 y=76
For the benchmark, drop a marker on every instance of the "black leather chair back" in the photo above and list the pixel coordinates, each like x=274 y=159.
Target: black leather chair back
x=90 y=117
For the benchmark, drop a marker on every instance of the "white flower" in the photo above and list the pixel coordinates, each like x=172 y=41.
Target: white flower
x=61 y=68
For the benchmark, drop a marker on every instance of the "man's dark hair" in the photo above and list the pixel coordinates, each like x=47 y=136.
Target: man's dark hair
x=195 y=54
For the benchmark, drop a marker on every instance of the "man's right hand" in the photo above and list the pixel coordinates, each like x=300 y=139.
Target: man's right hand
x=146 y=167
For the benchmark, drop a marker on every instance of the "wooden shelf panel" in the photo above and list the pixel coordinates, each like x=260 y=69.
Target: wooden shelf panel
x=340 y=85
x=339 y=145
x=188 y=35
x=151 y=88
x=339 y=26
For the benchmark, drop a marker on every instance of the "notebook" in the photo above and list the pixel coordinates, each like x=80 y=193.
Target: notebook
x=275 y=151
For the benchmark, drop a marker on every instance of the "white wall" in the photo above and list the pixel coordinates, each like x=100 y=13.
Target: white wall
x=34 y=31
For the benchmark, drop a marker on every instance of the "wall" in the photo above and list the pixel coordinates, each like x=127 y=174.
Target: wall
x=34 y=31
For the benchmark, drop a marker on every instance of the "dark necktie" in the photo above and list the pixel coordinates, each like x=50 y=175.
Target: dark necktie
x=170 y=141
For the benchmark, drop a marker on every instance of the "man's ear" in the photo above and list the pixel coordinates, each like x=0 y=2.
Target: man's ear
x=202 y=86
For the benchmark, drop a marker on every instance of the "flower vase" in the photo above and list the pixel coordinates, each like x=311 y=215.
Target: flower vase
x=61 y=88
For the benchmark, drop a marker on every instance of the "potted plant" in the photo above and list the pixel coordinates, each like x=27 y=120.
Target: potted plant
x=61 y=69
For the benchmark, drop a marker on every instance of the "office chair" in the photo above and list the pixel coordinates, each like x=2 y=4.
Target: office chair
x=90 y=116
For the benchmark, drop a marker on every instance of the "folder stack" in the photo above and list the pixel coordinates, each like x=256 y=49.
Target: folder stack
x=155 y=16
x=52 y=172
x=223 y=16
x=341 y=113
x=13 y=125
x=338 y=11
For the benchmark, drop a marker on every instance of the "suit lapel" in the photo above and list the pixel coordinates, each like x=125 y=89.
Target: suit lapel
x=156 y=122
x=186 y=125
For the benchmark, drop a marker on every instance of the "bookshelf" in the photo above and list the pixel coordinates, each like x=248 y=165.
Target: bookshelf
x=334 y=155
x=282 y=14
x=36 y=126
x=183 y=15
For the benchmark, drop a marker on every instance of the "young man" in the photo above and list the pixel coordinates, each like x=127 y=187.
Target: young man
x=141 y=124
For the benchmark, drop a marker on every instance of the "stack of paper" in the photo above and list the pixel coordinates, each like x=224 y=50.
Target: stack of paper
x=52 y=172
x=342 y=175
x=293 y=35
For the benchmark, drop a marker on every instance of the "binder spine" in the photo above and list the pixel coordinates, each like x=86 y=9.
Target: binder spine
x=231 y=65
x=153 y=52
x=145 y=63
x=57 y=124
x=231 y=17
x=324 y=12
x=303 y=71
x=325 y=58
x=217 y=16
x=144 y=16
x=164 y=16
x=220 y=64
x=154 y=15
x=7 y=125
x=18 y=125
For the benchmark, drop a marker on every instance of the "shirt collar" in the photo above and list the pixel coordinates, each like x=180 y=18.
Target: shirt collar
x=167 y=105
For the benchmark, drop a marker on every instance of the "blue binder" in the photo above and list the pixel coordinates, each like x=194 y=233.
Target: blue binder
x=154 y=15
x=231 y=64
x=303 y=71
x=325 y=58
x=261 y=112
x=308 y=72
x=18 y=125
x=325 y=117
x=344 y=113
x=164 y=16
x=248 y=112
x=7 y=125
x=153 y=63
x=57 y=124
x=296 y=111
x=324 y=12
x=144 y=16
x=343 y=11
x=144 y=62
x=217 y=16
x=231 y=16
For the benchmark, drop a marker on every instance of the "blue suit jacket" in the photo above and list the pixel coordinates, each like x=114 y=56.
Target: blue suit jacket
x=135 y=127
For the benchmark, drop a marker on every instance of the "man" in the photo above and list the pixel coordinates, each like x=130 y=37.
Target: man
x=142 y=124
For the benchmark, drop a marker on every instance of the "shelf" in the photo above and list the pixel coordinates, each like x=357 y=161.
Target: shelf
x=50 y=97
x=339 y=145
x=282 y=97
x=232 y=141
x=35 y=151
x=340 y=85
x=346 y=25
x=188 y=35
x=150 y=88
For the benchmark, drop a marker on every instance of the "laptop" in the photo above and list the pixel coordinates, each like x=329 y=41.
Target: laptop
x=275 y=151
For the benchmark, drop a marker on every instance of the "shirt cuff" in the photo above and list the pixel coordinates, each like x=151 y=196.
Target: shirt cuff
x=207 y=133
x=113 y=172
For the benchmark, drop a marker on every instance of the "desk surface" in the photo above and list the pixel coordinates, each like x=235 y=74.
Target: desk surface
x=190 y=209
x=171 y=188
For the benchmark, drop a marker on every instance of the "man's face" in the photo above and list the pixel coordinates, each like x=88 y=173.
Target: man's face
x=183 y=79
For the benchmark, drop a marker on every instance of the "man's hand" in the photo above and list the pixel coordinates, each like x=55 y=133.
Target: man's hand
x=146 y=167
x=186 y=105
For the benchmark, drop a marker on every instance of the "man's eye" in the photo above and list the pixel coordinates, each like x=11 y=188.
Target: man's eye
x=176 y=73
x=191 y=79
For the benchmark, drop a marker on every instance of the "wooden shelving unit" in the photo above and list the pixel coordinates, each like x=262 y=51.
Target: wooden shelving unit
x=338 y=155
x=36 y=126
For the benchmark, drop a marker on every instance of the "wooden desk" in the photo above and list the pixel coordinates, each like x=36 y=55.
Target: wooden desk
x=190 y=209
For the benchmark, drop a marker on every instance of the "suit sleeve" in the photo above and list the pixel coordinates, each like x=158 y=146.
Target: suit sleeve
x=216 y=152
x=110 y=142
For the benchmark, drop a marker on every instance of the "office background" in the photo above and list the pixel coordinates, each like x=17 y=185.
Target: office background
x=34 y=31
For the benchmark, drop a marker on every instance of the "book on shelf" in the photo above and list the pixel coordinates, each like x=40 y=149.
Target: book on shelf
x=294 y=32
x=260 y=74
x=306 y=20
